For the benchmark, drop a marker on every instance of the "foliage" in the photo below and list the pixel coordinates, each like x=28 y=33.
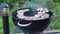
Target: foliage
x=13 y=3
x=53 y=5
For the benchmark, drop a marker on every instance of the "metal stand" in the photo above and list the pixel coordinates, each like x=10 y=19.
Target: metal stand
x=4 y=12
x=5 y=24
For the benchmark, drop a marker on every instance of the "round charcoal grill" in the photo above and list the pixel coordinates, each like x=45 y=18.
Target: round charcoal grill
x=32 y=19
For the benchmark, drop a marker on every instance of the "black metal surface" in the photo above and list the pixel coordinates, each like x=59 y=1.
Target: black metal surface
x=36 y=26
x=5 y=24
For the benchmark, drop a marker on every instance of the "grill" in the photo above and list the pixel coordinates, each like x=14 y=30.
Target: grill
x=32 y=19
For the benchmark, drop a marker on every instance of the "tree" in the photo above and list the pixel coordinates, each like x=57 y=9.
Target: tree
x=13 y=3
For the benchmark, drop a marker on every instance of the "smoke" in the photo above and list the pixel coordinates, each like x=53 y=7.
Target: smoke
x=35 y=3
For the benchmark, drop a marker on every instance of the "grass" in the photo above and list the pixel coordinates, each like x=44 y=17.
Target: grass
x=12 y=27
x=55 y=22
x=1 y=26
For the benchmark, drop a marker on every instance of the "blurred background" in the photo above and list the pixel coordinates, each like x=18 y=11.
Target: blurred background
x=53 y=5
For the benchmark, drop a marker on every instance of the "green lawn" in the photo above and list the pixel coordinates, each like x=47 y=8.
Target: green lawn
x=13 y=28
x=1 y=26
x=55 y=22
